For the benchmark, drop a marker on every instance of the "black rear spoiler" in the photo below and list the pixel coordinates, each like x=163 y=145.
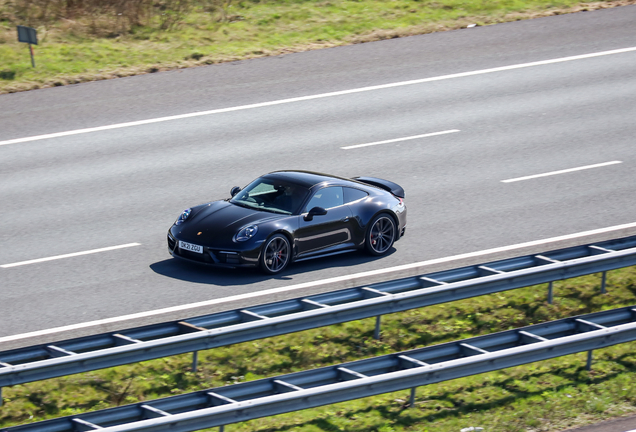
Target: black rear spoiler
x=388 y=186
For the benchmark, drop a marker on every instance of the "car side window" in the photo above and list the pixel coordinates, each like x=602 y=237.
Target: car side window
x=351 y=194
x=326 y=198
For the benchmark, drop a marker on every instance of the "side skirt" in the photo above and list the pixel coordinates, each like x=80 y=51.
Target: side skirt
x=325 y=255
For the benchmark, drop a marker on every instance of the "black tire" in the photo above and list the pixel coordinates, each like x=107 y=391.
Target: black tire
x=276 y=254
x=380 y=235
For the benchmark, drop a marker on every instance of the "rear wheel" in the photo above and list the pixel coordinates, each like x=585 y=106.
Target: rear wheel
x=380 y=235
x=276 y=254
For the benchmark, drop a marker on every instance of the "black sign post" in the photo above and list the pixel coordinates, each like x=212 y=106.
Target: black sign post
x=28 y=35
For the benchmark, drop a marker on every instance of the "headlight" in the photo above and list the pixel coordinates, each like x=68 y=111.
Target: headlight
x=183 y=216
x=246 y=233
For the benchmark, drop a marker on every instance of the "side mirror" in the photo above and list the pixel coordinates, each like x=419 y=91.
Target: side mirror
x=235 y=190
x=316 y=211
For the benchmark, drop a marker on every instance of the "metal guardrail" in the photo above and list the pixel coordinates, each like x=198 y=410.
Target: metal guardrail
x=205 y=332
x=358 y=379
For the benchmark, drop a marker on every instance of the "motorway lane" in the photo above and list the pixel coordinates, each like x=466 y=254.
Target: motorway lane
x=243 y=82
x=108 y=188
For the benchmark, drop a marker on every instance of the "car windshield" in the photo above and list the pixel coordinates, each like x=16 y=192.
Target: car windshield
x=271 y=195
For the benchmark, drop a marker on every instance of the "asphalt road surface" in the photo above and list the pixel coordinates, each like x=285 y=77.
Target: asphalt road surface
x=622 y=424
x=538 y=142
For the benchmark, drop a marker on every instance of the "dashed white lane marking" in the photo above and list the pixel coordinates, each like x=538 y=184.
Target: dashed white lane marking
x=400 y=139
x=561 y=171
x=319 y=96
x=351 y=280
x=70 y=255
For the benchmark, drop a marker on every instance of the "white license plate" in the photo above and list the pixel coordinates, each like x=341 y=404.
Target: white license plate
x=190 y=247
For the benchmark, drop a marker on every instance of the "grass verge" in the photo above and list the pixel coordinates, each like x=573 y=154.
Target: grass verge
x=69 y=53
x=543 y=396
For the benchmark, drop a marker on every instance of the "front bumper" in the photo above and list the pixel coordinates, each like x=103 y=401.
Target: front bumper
x=215 y=257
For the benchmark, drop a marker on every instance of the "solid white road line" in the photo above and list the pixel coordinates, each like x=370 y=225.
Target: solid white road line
x=347 y=278
x=561 y=172
x=94 y=251
x=400 y=139
x=319 y=96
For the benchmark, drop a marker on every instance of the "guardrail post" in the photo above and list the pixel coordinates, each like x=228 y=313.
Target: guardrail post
x=412 y=399
x=195 y=360
x=376 y=333
x=0 y=396
x=588 y=366
x=550 y=293
x=603 y=281
x=221 y=428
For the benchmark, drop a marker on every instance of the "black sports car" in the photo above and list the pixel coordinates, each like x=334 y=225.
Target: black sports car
x=290 y=216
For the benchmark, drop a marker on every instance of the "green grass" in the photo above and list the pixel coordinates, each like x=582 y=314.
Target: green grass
x=543 y=396
x=70 y=53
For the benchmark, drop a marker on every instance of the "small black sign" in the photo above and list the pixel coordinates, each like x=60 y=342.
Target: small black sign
x=27 y=35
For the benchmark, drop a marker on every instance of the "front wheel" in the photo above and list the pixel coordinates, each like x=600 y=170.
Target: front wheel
x=380 y=235
x=276 y=254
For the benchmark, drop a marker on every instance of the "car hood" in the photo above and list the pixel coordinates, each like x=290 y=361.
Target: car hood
x=221 y=220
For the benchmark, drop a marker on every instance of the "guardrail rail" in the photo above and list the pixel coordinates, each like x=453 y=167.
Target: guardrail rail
x=358 y=379
x=219 y=329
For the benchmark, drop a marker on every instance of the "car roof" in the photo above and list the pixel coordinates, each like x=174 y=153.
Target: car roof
x=307 y=179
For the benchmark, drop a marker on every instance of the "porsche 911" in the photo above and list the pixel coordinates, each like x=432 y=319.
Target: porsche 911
x=290 y=216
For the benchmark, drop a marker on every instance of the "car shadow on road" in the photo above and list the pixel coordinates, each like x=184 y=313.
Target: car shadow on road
x=198 y=273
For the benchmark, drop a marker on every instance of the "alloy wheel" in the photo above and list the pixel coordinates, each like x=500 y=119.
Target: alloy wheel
x=276 y=254
x=382 y=235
